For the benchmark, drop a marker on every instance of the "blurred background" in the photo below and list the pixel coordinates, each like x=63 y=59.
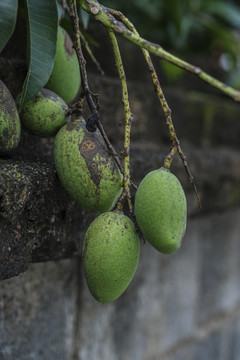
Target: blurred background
x=208 y=28
x=184 y=306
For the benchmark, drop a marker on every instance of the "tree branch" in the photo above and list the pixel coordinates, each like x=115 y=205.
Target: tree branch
x=104 y=15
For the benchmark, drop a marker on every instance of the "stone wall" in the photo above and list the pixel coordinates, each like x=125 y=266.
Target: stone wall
x=178 y=307
x=183 y=306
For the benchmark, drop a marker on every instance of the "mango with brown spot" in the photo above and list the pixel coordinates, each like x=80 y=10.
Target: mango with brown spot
x=86 y=168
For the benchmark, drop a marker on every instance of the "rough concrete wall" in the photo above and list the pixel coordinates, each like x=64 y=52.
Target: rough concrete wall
x=183 y=306
x=180 y=306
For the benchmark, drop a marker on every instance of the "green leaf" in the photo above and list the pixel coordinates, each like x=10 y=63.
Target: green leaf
x=42 y=33
x=8 y=16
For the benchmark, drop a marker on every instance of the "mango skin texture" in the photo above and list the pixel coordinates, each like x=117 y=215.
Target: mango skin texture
x=161 y=210
x=85 y=168
x=111 y=252
x=65 y=78
x=10 y=127
x=45 y=114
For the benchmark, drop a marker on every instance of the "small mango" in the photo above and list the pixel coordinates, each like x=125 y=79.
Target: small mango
x=44 y=114
x=110 y=254
x=161 y=210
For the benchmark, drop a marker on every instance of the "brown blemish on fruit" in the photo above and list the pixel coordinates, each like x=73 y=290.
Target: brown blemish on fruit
x=87 y=145
x=89 y=148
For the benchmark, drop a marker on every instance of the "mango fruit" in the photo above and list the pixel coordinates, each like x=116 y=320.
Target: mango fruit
x=161 y=210
x=111 y=250
x=10 y=127
x=44 y=114
x=85 y=167
x=65 y=78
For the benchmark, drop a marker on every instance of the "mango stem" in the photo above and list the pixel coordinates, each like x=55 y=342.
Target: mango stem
x=86 y=90
x=166 y=109
x=128 y=122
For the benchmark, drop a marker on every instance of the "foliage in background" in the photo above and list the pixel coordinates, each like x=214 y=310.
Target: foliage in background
x=209 y=27
x=199 y=26
x=184 y=25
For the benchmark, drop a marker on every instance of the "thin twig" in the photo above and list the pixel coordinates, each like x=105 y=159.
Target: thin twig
x=90 y=53
x=86 y=90
x=66 y=9
x=128 y=121
x=166 y=109
x=77 y=45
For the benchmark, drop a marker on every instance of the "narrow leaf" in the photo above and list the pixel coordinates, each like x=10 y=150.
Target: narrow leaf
x=42 y=33
x=8 y=15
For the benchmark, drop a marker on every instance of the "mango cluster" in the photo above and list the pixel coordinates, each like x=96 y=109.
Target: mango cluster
x=47 y=112
x=88 y=172
x=111 y=245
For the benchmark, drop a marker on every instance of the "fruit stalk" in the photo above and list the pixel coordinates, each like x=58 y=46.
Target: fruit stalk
x=86 y=90
x=104 y=15
x=78 y=49
x=128 y=122
x=83 y=40
x=167 y=111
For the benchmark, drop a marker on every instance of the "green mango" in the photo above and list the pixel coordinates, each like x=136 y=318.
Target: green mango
x=10 y=127
x=65 y=78
x=85 y=167
x=161 y=210
x=111 y=250
x=44 y=114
